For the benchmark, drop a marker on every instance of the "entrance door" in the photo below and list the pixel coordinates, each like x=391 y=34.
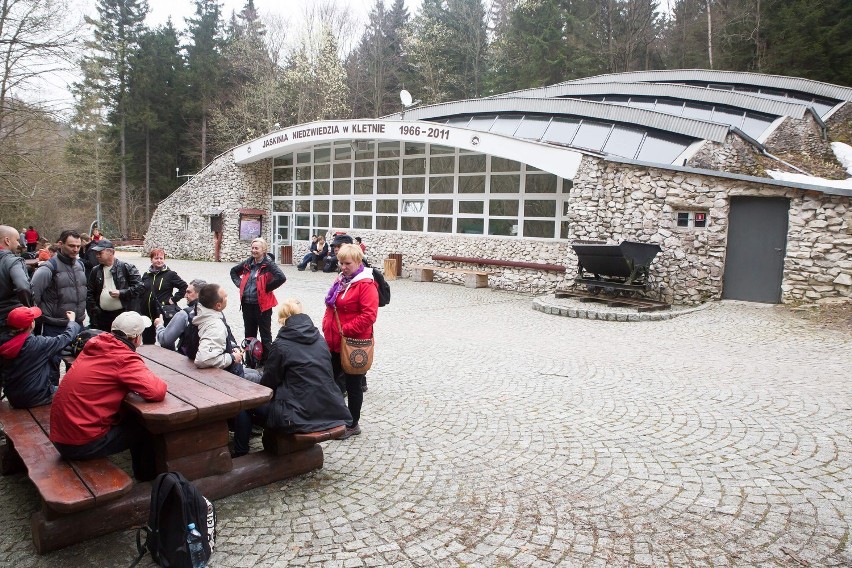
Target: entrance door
x=757 y=242
x=283 y=235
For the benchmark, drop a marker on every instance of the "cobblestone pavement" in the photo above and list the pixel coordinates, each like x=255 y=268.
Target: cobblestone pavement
x=495 y=435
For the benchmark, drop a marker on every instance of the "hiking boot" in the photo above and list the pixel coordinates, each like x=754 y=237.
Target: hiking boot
x=354 y=431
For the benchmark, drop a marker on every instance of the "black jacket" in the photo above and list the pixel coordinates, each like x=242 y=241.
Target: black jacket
x=299 y=371
x=158 y=290
x=127 y=282
x=15 y=289
x=25 y=369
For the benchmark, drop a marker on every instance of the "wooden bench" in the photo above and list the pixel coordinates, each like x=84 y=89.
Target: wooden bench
x=282 y=444
x=472 y=278
x=65 y=486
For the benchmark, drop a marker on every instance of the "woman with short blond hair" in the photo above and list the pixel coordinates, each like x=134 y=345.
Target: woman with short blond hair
x=354 y=299
x=257 y=277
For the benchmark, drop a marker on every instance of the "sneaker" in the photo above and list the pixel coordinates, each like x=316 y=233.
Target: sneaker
x=300 y=268
x=354 y=431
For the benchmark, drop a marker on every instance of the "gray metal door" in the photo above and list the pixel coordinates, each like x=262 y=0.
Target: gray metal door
x=757 y=242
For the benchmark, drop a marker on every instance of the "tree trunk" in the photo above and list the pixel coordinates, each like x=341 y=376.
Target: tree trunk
x=709 y=35
x=147 y=175
x=123 y=189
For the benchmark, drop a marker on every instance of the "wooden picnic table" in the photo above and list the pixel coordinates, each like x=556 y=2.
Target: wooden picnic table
x=190 y=429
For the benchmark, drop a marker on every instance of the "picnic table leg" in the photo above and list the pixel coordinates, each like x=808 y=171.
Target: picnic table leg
x=196 y=452
x=10 y=461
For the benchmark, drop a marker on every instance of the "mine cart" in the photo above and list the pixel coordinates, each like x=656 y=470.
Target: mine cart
x=615 y=268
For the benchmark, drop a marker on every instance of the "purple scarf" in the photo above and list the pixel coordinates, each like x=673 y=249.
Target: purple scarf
x=338 y=285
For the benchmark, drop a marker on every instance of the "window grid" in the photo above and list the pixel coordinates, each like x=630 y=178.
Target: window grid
x=381 y=202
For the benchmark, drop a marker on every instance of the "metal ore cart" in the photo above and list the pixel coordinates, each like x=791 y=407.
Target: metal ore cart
x=611 y=269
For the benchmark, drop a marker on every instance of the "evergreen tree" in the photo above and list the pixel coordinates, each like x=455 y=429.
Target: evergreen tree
x=204 y=73
x=154 y=111
x=116 y=38
x=376 y=68
x=252 y=100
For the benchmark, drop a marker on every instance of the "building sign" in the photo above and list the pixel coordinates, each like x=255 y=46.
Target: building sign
x=250 y=227
x=550 y=158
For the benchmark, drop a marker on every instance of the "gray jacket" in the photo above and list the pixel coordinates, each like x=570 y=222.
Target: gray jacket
x=59 y=286
x=15 y=287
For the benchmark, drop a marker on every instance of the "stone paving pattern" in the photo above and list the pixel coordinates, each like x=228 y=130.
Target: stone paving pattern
x=499 y=436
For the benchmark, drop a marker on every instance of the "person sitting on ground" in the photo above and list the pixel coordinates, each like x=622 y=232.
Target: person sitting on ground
x=217 y=348
x=86 y=421
x=308 y=257
x=26 y=360
x=168 y=335
x=46 y=252
x=299 y=371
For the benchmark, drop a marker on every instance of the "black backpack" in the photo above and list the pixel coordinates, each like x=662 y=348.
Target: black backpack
x=175 y=503
x=188 y=342
x=76 y=346
x=384 y=288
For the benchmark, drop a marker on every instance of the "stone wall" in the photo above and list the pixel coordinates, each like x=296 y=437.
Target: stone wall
x=801 y=143
x=418 y=248
x=734 y=156
x=819 y=248
x=222 y=185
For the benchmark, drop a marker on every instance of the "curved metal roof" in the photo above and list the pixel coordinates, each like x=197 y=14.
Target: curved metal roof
x=781 y=82
x=573 y=107
x=684 y=92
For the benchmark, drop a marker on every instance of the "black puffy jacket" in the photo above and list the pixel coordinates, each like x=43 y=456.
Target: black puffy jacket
x=299 y=371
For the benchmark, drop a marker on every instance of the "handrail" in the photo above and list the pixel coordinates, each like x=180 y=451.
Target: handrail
x=495 y=262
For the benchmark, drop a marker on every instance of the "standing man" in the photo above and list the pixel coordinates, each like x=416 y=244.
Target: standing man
x=257 y=278
x=112 y=286
x=15 y=287
x=31 y=236
x=86 y=420
x=59 y=286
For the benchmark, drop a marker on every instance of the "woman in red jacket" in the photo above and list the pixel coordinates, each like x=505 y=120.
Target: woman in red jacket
x=355 y=296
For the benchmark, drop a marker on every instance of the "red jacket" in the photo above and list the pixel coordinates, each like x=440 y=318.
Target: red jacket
x=357 y=308
x=269 y=277
x=89 y=398
x=31 y=236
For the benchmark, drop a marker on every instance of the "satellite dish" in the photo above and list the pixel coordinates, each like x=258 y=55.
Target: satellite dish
x=406 y=98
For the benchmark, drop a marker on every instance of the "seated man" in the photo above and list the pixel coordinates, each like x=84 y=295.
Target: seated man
x=331 y=260
x=310 y=256
x=218 y=348
x=86 y=420
x=26 y=360
x=168 y=335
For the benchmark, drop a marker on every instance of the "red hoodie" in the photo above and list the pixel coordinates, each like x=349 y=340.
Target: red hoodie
x=89 y=398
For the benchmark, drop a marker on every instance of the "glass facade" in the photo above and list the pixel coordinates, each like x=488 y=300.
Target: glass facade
x=404 y=186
